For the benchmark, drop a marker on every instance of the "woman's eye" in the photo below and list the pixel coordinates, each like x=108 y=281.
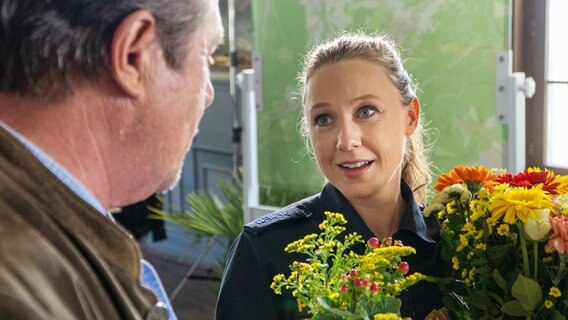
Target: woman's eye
x=366 y=112
x=322 y=120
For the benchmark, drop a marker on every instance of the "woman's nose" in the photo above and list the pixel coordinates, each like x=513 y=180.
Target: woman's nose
x=349 y=137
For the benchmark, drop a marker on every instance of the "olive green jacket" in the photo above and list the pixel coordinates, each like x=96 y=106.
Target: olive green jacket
x=59 y=257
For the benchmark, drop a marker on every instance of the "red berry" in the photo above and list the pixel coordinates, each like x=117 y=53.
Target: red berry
x=403 y=267
x=373 y=242
x=353 y=273
x=388 y=241
x=343 y=278
x=344 y=289
x=365 y=282
x=374 y=287
x=358 y=283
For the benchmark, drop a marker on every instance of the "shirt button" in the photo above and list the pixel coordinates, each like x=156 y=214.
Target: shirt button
x=158 y=312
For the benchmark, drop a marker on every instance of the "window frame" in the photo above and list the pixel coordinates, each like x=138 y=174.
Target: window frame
x=529 y=41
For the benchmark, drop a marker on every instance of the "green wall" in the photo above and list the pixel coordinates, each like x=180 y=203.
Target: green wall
x=450 y=47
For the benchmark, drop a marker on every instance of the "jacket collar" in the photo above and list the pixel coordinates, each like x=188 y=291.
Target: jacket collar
x=331 y=199
x=66 y=208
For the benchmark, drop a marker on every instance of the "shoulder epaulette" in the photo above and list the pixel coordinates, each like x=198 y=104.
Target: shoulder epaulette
x=286 y=214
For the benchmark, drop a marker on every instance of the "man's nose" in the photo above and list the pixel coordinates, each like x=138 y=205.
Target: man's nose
x=209 y=94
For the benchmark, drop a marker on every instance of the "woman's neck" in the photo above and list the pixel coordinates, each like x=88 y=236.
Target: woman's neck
x=381 y=215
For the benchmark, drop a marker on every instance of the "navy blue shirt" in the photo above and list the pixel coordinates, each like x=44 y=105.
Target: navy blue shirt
x=258 y=254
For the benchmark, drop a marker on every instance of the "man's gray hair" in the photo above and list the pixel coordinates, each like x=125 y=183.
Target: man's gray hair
x=46 y=45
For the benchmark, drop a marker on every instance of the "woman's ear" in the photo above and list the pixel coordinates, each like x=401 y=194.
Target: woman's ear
x=413 y=116
x=131 y=52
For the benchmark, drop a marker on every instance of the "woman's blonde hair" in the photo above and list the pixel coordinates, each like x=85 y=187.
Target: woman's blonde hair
x=382 y=50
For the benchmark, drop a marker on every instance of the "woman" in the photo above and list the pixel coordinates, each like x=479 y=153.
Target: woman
x=362 y=117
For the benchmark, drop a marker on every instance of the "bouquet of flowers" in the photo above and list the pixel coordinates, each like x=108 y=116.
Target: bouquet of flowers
x=336 y=283
x=506 y=237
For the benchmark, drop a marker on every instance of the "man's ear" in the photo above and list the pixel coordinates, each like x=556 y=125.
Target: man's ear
x=131 y=51
x=413 y=116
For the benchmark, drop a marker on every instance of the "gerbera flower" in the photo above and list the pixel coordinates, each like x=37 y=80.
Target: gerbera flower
x=562 y=187
x=518 y=204
x=474 y=177
x=532 y=177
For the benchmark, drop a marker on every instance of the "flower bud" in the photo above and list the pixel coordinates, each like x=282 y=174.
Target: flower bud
x=373 y=242
x=404 y=267
x=344 y=289
x=539 y=227
x=353 y=273
x=374 y=287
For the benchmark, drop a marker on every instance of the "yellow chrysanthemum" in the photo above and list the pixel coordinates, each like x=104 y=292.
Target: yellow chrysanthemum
x=562 y=187
x=518 y=204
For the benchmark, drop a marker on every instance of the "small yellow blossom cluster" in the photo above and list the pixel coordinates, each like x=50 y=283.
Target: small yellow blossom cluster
x=333 y=277
x=387 y=316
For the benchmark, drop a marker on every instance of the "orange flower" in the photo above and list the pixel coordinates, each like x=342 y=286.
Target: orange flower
x=474 y=177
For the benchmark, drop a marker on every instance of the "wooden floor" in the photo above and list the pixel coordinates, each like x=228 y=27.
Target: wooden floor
x=172 y=260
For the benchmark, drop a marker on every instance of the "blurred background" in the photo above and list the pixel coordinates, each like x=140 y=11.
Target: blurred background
x=493 y=79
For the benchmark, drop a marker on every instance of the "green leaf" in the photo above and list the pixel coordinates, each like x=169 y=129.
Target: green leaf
x=514 y=308
x=499 y=280
x=325 y=302
x=527 y=291
x=478 y=299
x=558 y=316
x=378 y=304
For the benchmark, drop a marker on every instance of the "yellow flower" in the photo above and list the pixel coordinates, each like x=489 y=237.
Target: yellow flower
x=464 y=242
x=503 y=230
x=518 y=204
x=562 y=184
x=386 y=316
x=451 y=207
x=456 y=263
x=548 y=304
x=481 y=246
x=554 y=292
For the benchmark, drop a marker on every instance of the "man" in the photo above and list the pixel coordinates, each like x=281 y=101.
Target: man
x=99 y=103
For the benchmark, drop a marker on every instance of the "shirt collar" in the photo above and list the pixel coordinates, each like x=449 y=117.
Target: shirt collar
x=61 y=173
x=412 y=220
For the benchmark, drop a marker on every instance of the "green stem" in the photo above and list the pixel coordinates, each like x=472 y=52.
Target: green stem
x=526 y=268
x=535 y=259
x=559 y=275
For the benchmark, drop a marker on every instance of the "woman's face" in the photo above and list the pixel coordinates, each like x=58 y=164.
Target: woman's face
x=358 y=127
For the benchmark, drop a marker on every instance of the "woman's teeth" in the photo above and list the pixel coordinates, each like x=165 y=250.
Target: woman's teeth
x=354 y=165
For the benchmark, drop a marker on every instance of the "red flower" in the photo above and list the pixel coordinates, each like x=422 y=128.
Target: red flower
x=531 y=178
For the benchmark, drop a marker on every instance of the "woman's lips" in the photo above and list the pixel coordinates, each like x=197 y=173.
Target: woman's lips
x=355 y=169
